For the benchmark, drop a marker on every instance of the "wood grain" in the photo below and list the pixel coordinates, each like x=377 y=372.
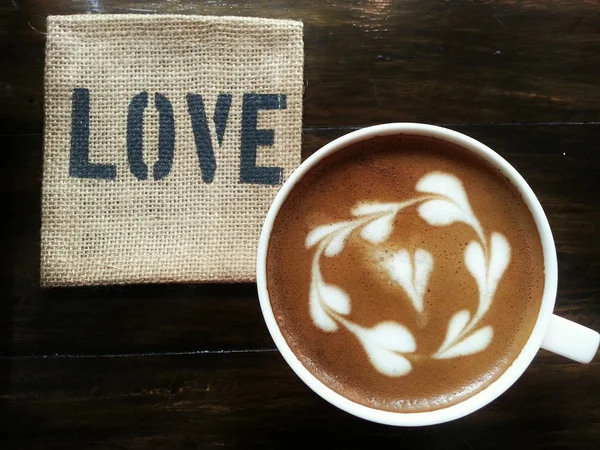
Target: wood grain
x=256 y=401
x=560 y=163
x=193 y=366
x=376 y=61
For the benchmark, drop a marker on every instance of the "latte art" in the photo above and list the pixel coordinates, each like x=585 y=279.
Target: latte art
x=390 y=345
x=405 y=273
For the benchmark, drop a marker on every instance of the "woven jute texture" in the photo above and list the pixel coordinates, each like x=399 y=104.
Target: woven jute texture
x=166 y=140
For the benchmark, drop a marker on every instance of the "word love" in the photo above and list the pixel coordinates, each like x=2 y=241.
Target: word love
x=80 y=165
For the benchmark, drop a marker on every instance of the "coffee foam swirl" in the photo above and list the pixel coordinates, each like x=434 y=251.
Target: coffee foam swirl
x=390 y=346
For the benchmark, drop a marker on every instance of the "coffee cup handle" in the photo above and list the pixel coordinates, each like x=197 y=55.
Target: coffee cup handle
x=571 y=340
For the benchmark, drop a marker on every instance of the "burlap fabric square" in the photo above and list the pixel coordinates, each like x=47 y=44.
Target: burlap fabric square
x=166 y=139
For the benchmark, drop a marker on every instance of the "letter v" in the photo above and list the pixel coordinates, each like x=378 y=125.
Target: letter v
x=204 y=147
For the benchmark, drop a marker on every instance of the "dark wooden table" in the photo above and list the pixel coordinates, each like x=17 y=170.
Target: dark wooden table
x=193 y=366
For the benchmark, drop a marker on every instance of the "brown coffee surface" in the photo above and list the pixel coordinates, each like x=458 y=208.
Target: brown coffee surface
x=342 y=351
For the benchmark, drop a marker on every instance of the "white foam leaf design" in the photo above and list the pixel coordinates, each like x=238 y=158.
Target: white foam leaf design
x=366 y=209
x=386 y=361
x=336 y=245
x=457 y=324
x=475 y=262
x=321 y=232
x=499 y=259
x=387 y=344
x=378 y=230
x=412 y=277
x=423 y=268
x=446 y=185
x=335 y=298
x=475 y=343
x=440 y=212
x=399 y=268
x=392 y=336
x=318 y=314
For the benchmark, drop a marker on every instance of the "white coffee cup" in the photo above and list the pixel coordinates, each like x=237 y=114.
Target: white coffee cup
x=550 y=332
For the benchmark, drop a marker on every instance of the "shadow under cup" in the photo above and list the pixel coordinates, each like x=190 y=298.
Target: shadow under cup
x=510 y=374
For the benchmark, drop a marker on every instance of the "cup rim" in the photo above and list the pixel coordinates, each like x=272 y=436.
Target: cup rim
x=529 y=350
